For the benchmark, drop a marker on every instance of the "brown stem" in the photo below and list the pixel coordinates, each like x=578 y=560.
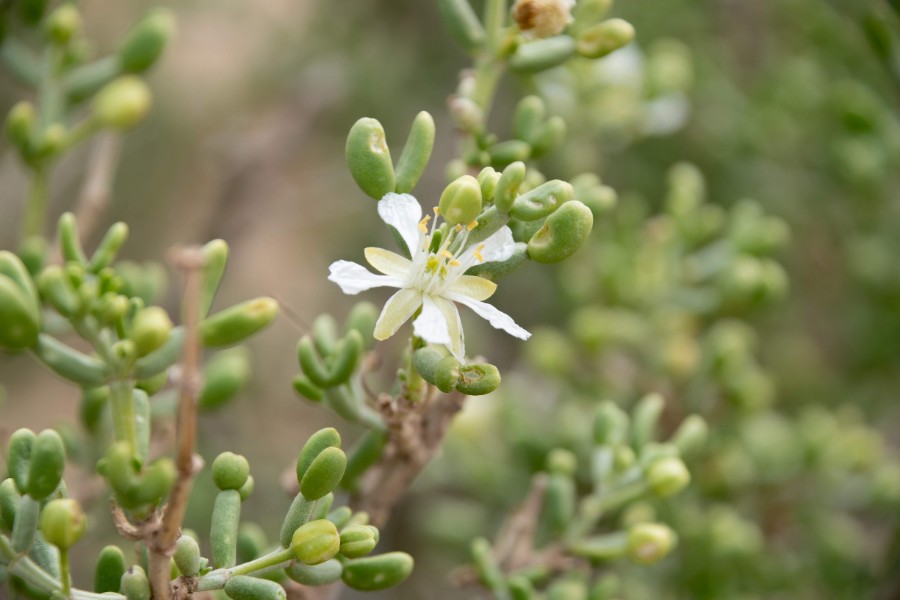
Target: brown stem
x=415 y=433
x=161 y=544
x=95 y=191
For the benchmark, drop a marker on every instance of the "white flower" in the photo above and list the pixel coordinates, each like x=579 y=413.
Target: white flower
x=434 y=279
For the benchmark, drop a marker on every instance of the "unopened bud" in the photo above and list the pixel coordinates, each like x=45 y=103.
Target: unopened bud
x=150 y=329
x=668 y=476
x=62 y=522
x=650 y=542
x=63 y=24
x=461 y=201
x=230 y=471
x=316 y=542
x=358 y=540
x=122 y=103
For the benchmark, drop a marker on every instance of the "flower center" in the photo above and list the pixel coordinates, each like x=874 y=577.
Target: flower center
x=437 y=268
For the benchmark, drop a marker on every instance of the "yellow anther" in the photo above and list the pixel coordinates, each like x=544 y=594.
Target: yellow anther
x=477 y=252
x=437 y=210
x=447 y=254
x=423 y=224
x=453 y=263
x=472 y=225
x=458 y=228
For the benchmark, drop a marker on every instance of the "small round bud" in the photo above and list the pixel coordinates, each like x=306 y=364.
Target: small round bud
x=316 y=542
x=122 y=103
x=63 y=24
x=135 y=585
x=542 y=18
x=150 y=329
x=20 y=123
x=62 y=522
x=230 y=471
x=358 y=540
x=668 y=476
x=562 y=461
x=461 y=201
x=650 y=542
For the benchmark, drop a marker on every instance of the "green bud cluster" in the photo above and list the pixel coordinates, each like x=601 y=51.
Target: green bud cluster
x=112 y=85
x=329 y=361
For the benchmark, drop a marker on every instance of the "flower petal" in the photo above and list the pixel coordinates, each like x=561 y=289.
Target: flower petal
x=498 y=247
x=403 y=213
x=397 y=311
x=389 y=263
x=454 y=328
x=477 y=288
x=354 y=278
x=431 y=325
x=494 y=316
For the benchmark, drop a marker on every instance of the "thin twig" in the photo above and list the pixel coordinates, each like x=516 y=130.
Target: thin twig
x=95 y=191
x=162 y=542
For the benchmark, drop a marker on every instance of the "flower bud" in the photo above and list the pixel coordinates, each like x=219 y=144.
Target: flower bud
x=542 y=55
x=461 y=201
x=562 y=233
x=668 y=476
x=62 y=522
x=416 y=153
x=236 y=323
x=230 y=471
x=20 y=124
x=542 y=18
x=650 y=542
x=316 y=575
x=324 y=473
x=46 y=464
x=109 y=570
x=464 y=25
x=150 y=329
x=244 y=587
x=478 y=379
x=134 y=584
x=369 y=158
x=63 y=24
x=542 y=200
x=316 y=542
x=377 y=572
x=224 y=375
x=146 y=41
x=604 y=38
x=122 y=103
x=562 y=461
x=187 y=556
x=358 y=540
x=247 y=488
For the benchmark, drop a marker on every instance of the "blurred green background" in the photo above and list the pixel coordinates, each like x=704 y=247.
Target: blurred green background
x=792 y=103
